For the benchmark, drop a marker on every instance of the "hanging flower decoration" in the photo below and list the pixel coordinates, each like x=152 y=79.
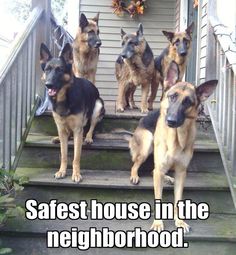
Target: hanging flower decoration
x=133 y=8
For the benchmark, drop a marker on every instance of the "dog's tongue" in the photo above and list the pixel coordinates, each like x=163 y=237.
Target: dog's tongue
x=52 y=92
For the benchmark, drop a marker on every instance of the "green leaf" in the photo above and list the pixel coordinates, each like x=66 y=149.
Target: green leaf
x=5 y=250
x=17 y=187
x=23 y=180
x=2 y=218
x=15 y=212
x=6 y=199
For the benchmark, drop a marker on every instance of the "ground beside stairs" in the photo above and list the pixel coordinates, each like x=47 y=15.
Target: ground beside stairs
x=106 y=165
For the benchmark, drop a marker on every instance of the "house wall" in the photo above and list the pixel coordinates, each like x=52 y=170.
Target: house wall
x=159 y=15
x=202 y=41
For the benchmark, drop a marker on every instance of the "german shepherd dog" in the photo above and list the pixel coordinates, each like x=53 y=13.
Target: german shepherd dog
x=174 y=139
x=86 y=48
x=134 y=67
x=178 y=50
x=141 y=141
x=75 y=102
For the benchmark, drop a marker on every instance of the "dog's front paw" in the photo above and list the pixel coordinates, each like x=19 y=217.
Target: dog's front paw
x=56 y=140
x=60 y=174
x=144 y=110
x=169 y=180
x=88 y=139
x=133 y=106
x=120 y=109
x=76 y=177
x=157 y=225
x=181 y=224
x=134 y=179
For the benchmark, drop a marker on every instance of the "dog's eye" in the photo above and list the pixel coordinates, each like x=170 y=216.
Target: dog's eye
x=187 y=102
x=59 y=69
x=173 y=97
x=48 y=68
x=185 y=41
x=177 y=42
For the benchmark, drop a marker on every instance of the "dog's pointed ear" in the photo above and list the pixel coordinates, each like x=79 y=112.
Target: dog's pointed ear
x=189 y=29
x=67 y=53
x=140 y=31
x=172 y=75
x=83 y=22
x=206 y=89
x=96 y=18
x=169 y=35
x=122 y=33
x=45 y=55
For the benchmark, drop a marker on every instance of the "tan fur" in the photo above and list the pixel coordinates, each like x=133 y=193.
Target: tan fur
x=66 y=125
x=85 y=57
x=131 y=74
x=141 y=146
x=159 y=78
x=173 y=149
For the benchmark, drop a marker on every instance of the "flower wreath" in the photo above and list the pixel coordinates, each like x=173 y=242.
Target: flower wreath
x=133 y=8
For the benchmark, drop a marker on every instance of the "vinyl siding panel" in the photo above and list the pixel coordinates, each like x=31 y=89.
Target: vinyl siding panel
x=203 y=41
x=159 y=15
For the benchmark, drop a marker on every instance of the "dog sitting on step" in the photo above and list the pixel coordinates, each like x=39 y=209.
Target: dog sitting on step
x=86 y=48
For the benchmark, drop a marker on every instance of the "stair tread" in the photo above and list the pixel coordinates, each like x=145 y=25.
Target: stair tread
x=120 y=179
x=218 y=227
x=112 y=142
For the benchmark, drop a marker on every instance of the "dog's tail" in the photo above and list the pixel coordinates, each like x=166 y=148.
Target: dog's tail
x=125 y=134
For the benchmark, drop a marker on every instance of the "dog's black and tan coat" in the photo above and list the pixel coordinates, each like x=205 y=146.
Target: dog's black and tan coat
x=174 y=139
x=178 y=50
x=75 y=103
x=86 y=48
x=134 y=67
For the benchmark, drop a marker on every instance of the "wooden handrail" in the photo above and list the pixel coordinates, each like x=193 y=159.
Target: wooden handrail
x=19 y=41
x=223 y=35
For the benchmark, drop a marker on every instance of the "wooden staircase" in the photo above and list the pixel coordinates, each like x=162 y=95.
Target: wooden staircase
x=106 y=169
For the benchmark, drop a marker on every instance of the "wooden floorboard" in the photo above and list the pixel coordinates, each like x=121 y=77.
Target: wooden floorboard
x=112 y=141
x=216 y=228
x=114 y=179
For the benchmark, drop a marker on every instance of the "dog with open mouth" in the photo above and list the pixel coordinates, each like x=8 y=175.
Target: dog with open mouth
x=75 y=102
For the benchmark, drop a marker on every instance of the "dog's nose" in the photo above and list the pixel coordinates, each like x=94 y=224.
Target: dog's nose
x=123 y=55
x=98 y=44
x=171 y=122
x=48 y=85
x=183 y=53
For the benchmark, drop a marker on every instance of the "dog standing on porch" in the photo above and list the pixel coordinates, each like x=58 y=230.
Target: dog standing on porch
x=134 y=67
x=178 y=50
x=75 y=102
x=86 y=48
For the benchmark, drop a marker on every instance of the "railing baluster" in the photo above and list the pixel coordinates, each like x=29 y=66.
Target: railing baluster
x=20 y=99
x=2 y=126
x=229 y=113
x=29 y=74
x=233 y=148
x=224 y=100
x=8 y=122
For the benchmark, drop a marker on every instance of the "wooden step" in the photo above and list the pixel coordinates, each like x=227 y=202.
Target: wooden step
x=45 y=125
x=114 y=186
x=112 y=142
x=116 y=179
x=217 y=228
x=23 y=245
x=110 y=153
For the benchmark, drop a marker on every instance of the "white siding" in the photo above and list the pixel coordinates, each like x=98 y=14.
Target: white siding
x=159 y=15
x=202 y=41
